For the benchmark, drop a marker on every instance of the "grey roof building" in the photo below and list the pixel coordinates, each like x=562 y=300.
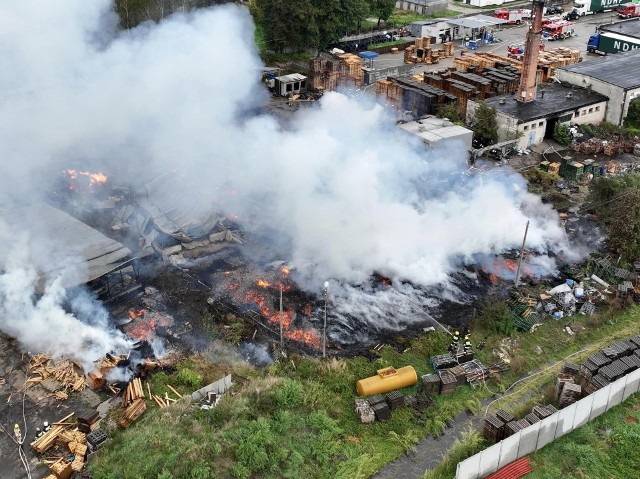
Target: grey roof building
x=616 y=76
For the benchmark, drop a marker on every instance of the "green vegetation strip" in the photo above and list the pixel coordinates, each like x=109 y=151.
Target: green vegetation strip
x=296 y=418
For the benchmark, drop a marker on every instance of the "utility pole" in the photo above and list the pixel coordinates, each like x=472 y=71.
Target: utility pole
x=325 y=293
x=281 y=335
x=526 y=230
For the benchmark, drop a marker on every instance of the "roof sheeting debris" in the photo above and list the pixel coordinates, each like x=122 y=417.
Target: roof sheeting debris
x=93 y=253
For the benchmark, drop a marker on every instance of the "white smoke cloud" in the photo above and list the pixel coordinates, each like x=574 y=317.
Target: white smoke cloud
x=349 y=192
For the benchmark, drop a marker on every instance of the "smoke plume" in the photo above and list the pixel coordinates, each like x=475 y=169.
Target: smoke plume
x=339 y=185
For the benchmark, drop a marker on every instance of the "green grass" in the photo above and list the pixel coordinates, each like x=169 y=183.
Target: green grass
x=604 y=448
x=259 y=37
x=401 y=17
x=296 y=418
x=387 y=44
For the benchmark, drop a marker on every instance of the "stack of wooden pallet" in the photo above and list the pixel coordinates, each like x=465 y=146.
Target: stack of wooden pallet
x=493 y=430
x=61 y=469
x=395 y=399
x=570 y=394
x=430 y=384
x=448 y=382
x=447 y=49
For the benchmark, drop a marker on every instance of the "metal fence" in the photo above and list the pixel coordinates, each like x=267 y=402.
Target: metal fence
x=538 y=435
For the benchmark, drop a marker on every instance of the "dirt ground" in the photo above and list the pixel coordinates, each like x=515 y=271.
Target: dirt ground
x=39 y=406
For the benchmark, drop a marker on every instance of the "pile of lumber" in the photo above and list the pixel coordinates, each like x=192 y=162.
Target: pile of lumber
x=42 y=367
x=61 y=469
x=133 y=412
x=49 y=438
x=133 y=392
x=166 y=400
x=95 y=378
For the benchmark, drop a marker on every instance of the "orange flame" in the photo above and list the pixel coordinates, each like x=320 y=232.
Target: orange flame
x=95 y=179
x=136 y=314
x=310 y=338
x=285 y=270
x=263 y=284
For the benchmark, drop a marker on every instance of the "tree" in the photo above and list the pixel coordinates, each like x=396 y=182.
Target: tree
x=632 y=120
x=335 y=17
x=450 y=111
x=382 y=8
x=289 y=25
x=485 y=124
x=561 y=134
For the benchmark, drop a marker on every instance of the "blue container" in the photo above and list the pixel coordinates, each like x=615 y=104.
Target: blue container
x=602 y=170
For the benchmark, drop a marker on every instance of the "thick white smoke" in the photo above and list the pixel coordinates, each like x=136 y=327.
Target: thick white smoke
x=348 y=191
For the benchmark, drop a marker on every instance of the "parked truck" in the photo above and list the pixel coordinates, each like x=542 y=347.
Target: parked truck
x=517 y=16
x=559 y=30
x=616 y=37
x=628 y=10
x=588 y=7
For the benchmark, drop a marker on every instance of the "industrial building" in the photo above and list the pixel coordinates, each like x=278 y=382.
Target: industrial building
x=535 y=120
x=434 y=131
x=290 y=84
x=616 y=76
x=438 y=30
x=423 y=7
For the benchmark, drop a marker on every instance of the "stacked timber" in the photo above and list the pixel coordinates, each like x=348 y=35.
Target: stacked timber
x=448 y=381
x=493 y=430
x=395 y=399
x=381 y=411
x=430 y=384
x=504 y=416
x=460 y=375
x=133 y=412
x=48 y=439
x=133 y=392
x=61 y=469
x=447 y=49
x=532 y=418
x=42 y=367
x=443 y=361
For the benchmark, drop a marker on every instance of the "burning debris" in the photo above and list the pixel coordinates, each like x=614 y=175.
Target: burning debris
x=85 y=181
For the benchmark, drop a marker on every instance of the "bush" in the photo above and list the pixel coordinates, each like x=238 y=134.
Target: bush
x=289 y=394
x=561 y=134
x=189 y=377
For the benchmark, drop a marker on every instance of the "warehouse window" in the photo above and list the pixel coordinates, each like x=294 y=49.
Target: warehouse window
x=597 y=108
x=540 y=124
x=526 y=127
x=590 y=110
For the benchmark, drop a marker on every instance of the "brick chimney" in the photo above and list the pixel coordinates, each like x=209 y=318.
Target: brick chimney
x=527 y=88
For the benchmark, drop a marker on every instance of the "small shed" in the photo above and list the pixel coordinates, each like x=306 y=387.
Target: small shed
x=289 y=84
x=438 y=30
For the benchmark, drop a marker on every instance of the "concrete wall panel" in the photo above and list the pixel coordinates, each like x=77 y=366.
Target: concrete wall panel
x=528 y=440
x=468 y=469
x=547 y=430
x=583 y=411
x=600 y=399
x=633 y=384
x=509 y=451
x=489 y=460
x=565 y=420
x=617 y=390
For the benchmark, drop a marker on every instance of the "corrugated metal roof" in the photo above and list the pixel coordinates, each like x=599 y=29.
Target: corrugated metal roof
x=620 y=69
x=476 y=21
x=293 y=77
x=72 y=243
x=630 y=28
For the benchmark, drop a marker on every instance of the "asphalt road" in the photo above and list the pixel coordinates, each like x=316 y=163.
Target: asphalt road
x=508 y=35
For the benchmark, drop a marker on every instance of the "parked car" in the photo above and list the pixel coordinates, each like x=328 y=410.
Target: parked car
x=572 y=15
x=555 y=10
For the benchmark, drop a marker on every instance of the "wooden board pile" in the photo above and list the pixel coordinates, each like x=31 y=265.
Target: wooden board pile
x=421 y=52
x=69 y=441
x=42 y=367
x=133 y=412
x=133 y=392
x=610 y=146
x=96 y=378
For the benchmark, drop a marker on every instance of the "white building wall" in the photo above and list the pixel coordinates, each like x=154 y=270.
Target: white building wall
x=618 y=98
x=590 y=114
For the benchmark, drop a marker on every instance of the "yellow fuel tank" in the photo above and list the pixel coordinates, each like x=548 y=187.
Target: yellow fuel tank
x=387 y=379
